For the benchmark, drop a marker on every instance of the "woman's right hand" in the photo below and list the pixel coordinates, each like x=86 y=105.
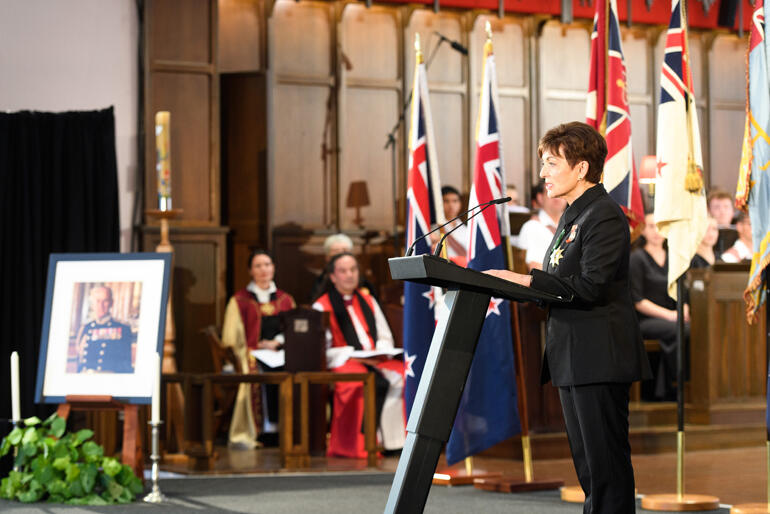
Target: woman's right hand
x=269 y=344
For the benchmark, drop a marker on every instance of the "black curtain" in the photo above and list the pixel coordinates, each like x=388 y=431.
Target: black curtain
x=58 y=193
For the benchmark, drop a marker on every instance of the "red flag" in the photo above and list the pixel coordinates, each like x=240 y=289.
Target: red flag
x=607 y=111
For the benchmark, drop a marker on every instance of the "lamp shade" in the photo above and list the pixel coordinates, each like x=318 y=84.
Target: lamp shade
x=648 y=171
x=358 y=194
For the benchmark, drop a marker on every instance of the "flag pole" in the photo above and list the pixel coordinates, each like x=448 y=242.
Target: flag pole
x=680 y=501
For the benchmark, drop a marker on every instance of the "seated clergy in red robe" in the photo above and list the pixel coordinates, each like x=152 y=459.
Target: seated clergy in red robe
x=357 y=323
x=252 y=322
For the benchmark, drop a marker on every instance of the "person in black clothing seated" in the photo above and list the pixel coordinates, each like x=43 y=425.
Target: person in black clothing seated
x=705 y=256
x=648 y=269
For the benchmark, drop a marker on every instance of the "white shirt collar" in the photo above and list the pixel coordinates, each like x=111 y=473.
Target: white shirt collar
x=263 y=295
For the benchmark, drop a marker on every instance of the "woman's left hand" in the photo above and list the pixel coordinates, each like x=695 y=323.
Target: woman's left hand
x=516 y=278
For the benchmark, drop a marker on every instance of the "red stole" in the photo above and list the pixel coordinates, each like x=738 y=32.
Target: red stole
x=252 y=311
x=338 y=338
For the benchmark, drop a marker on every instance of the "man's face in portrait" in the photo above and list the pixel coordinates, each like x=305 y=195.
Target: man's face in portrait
x=101 y=301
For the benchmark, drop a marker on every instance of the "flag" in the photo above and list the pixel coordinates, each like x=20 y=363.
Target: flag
x=680 y=200
x=753 y=193
x=488 y=412
x=423 y=209
x=607 y=111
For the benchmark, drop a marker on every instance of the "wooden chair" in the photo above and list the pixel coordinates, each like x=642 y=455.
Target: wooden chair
x=222 y=357
x=650 y=346
x=305 y=332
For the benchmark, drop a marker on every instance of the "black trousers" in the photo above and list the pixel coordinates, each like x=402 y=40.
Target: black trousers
x=666 y=331
x=597 y=427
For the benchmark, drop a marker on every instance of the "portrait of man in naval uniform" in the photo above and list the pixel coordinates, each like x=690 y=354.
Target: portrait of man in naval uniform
x=104 y=343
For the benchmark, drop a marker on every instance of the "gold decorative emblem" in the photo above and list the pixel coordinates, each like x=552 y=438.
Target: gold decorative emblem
x=268 y=309
x=556 y=256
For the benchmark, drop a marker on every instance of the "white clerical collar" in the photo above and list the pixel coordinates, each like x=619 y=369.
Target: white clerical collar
x=263 y=295
x=347 y=297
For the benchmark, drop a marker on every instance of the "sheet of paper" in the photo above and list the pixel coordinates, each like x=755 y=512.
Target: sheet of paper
x=365 y=354
x=270 y=358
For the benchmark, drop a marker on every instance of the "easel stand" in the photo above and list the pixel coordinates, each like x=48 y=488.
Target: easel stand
x=760 y=508
x=680 y=501
x=132 y=443
x=447 y=366
x=174 y=396
x=509 y=484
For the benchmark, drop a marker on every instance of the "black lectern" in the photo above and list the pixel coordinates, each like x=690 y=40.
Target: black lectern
x=447 y=367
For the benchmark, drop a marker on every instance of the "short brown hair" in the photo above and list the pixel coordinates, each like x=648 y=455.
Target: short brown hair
x=577 y=141
x=718 y=194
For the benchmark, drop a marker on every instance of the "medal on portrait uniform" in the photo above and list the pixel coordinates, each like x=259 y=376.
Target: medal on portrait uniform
x=268 y=309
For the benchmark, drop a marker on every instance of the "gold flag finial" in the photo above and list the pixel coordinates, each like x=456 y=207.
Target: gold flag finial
x=488 y=28
x=417 y=49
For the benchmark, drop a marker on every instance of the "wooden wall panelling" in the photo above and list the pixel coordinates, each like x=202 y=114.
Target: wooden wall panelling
x=180 y=62
x=370 y=101
x=448 y=85
x=302 y=115
x=563 y=79
x=511 y=50
x=198 y=285
x=244 y=170
x=241 y=35
x=728 y=373
x=181 y=77
x=637 y=53
x=727 y=99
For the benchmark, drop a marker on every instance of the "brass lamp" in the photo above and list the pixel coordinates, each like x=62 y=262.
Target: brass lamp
x=358 y=196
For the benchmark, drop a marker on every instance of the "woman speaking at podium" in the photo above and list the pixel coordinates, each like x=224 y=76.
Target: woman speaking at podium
x=593 y=347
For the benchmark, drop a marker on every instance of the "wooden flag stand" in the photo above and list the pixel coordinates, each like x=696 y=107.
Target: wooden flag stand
x=680 y=502
x=466 y=476
x=174 y=395
x=516 y=485
x=132 y=442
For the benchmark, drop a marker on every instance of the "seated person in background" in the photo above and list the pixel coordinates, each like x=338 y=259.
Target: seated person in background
x=357 y=323
x=720 y=207
x=333 y=245
x=536 y=234
x=514 y=204
x=456 y=243
x=704 y=254
x=648 y=271
x=252 y=322
x=742 y=249
x=537 y=195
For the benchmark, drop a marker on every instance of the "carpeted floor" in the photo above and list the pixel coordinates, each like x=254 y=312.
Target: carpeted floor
x=314 y=493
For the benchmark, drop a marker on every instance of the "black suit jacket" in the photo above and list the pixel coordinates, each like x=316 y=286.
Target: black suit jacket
x=594 y=338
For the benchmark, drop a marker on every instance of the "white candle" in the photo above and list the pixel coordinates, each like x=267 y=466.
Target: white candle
x=156 y=390
x=15 y=403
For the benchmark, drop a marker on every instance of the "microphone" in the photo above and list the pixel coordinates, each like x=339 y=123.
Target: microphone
x=454 y=44
x=488 y=204
x=411 y=248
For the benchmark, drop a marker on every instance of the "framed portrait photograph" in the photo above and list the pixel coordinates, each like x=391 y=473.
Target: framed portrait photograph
x=104 y=318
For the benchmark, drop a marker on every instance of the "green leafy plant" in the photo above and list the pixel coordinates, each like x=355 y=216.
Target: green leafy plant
x=64 y=468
